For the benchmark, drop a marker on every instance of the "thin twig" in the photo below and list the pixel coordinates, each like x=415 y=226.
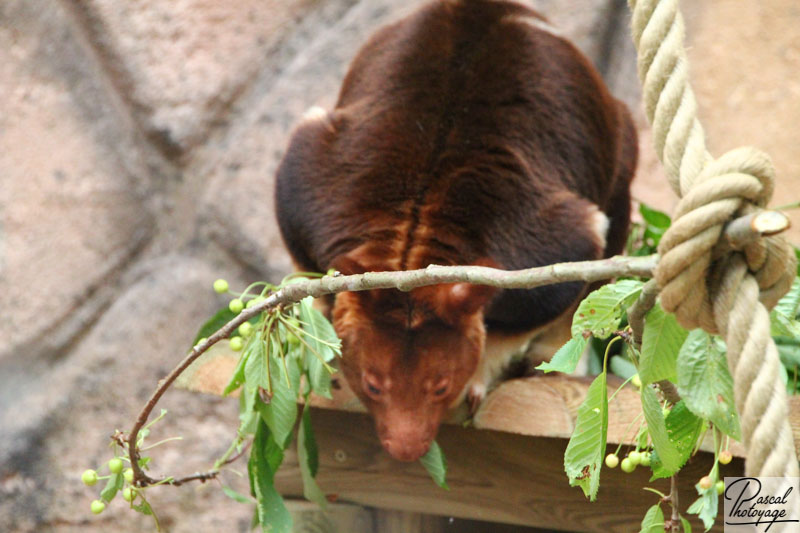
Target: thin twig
x=587 y=271
x=676 y=526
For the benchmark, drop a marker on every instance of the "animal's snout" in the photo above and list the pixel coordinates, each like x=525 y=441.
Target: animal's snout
x=406 y=449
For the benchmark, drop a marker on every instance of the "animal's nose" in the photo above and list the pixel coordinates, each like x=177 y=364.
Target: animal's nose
x=406 y=450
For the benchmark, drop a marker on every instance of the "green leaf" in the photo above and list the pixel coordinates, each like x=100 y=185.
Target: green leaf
x=789 y=304
x=683 y=430
x=601 y=311
x=586 y=447
x=323 y=341
x=222 y=317
x=236 y=496
x=687 y=526
x=436 y=465
x=265 y=458
x=705 y=383
x=256 y=373
x=143 y=508
x=566 y=358
x=238 y=378
x=653 y=521
x=705 y=506
x=661 y=342
x=114 y=485
x=654 y=217
x=307 y=455
x=666 y=450
x=280 y=413
x=783 y=326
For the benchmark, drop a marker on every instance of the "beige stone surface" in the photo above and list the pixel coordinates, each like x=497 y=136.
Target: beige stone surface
x=181 y=63
x=73 y=210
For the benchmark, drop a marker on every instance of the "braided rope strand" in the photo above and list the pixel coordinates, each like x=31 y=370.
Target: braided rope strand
x=720 y=293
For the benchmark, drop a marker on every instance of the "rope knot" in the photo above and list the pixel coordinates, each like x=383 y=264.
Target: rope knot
x=695 y=251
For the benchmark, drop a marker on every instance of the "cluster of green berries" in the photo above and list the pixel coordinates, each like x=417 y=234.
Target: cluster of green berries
x=115 y=466
x=630 y=462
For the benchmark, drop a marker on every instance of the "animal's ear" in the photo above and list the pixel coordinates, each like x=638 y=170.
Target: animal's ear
x=368 y=257
x=466 y=298
x=456 y=300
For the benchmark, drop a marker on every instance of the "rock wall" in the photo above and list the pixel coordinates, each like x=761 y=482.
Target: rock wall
x=138 y=141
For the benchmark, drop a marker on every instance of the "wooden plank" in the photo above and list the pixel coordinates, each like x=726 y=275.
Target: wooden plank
x=494 y=476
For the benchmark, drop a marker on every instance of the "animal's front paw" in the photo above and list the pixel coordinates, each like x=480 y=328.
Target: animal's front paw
x=475 y=395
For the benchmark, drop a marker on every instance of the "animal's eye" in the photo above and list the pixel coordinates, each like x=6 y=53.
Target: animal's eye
x=373 y=389
x=440 y=391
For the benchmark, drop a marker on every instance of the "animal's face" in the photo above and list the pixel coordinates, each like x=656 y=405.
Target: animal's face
x=405 y=363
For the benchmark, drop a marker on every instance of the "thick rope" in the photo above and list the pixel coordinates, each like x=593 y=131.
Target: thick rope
x=704 y=283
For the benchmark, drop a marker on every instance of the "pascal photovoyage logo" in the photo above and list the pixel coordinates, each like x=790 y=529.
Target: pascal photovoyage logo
x=762 y=504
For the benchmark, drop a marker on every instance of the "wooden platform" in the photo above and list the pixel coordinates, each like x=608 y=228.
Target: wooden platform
x=506 y=468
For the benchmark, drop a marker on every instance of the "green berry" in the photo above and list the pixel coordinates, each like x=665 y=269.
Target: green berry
x=292 y=339
x=98 y=507
x=645 y=459
x=235 y=305
x=246 y=329
x=627 y=465
x=637 y=381
x=720 y=486
x=115 y=465
x=89 y=477
x=128 y=494
x=612 y=460
x=221 y=286
x=236 y=343
x=635 y=457
x=725 y=457
x=128 y=475
x=706 y=482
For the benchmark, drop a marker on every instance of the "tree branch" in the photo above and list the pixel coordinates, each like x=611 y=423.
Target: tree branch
x=587 y=271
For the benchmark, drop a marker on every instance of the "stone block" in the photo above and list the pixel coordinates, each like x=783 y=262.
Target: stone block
x=181 y=64
x=72 y=202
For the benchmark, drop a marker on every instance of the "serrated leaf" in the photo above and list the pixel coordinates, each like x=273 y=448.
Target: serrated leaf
x=687 y=526
x=280 y=413
x=114 y=485
x=653 y=521
x=265 y=458
x=256 y=373
x=586 y=447
x=661 y=341
x=236 y=496
x=667 y=452
x=789 y=304
x=601 y=311
x=220 y=318
x=566 y=358
x=436 y=465
x=307 y=455
x=783 y=326
x=706 y=506
x=705 y=383
x=325 y=345
x=683 y=430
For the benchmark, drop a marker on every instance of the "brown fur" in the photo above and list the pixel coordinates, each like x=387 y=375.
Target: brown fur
x=462 y=135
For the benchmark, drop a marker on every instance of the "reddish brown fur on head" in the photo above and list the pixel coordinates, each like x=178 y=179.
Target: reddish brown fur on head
x=408 y=356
